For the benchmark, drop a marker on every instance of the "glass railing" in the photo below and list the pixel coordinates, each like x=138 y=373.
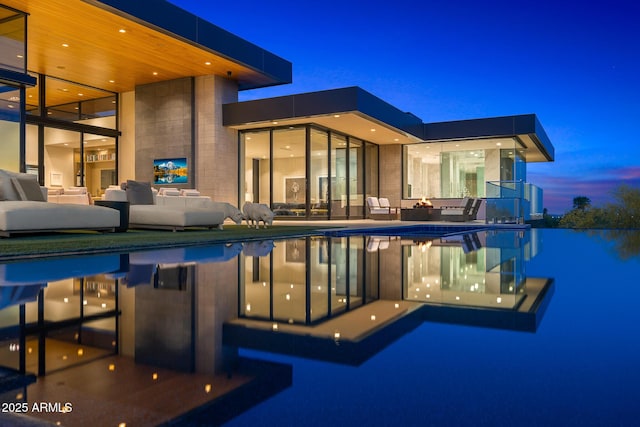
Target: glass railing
x=512 y=202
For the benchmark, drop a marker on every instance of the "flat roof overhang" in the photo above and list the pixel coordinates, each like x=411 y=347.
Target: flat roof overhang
x=525 y=129
x=160 y=42
x=352 y=111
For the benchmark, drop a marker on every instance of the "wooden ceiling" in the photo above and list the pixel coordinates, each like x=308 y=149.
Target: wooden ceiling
x=78 y=42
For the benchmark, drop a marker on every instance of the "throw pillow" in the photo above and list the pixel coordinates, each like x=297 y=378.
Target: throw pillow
x=7 y=189
x=139 y=193
x=28 y=188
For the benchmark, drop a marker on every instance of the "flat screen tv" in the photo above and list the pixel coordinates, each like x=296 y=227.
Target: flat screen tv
x=170 y=171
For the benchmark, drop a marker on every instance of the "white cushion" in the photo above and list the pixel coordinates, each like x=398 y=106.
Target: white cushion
x=153 y=215
x=189 y=192
x=373 y=202
x=28 y=215
x=384 y=202
x=75 y=190
x=168 y=191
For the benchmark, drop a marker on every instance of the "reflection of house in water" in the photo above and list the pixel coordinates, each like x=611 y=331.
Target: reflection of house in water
x=149 y=347
x=153 y=322
x=353 y=295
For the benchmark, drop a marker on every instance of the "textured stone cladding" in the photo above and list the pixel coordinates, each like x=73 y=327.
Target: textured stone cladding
x=164 y=125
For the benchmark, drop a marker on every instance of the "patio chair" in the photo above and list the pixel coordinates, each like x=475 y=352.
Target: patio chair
x=380 y=209
x=458 y=214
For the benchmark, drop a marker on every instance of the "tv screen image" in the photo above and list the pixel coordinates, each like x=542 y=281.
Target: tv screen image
x=170 y=171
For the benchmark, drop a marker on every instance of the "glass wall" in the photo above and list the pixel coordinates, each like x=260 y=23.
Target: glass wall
x=257 y=166
x=308 y=172
x=62 y=158
x=99 y=163
x=462 y=174
x=289 y=166
x=338 y=164
x=456 y=169
x=10 y=127
x=356 y=178
x=13 y=49
x=83 y=151
x=319 y=173
x=422 y=171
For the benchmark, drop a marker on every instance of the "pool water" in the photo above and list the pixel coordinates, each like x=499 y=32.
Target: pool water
x=579 y=368
x=519 y=328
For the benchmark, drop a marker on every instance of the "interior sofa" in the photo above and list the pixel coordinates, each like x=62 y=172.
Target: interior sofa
x=72 y=195
x=145 y=212
x=24 y=209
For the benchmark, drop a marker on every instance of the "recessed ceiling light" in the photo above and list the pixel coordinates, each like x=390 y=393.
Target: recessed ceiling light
x=155 y=73
x=373 y=130
x=81 y=94
x=498 y=144
x=112 y=81
x=275 y=123
x=336 y=115
x=20 y=56
x=207 y=63
x=122 y=30
x=65 y=45
x=396 y=139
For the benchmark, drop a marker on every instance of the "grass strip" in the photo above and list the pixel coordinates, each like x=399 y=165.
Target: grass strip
x=81 y=242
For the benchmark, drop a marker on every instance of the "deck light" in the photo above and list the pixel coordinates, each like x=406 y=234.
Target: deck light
x=112 y=367
x=274 y=327
x=207 y=388
x=373 y=317
x=499 y=300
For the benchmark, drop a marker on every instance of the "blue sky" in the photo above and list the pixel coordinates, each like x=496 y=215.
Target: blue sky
x=574 y=64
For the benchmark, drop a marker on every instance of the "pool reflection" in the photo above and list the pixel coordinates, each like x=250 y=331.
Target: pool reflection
x=184 y=313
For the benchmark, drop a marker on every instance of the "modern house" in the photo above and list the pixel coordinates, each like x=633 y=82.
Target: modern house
x=147 y=85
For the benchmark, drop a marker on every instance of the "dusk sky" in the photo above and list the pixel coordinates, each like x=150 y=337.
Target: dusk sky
x=576 y=65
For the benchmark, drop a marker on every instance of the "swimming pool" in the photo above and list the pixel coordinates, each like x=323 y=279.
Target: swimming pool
x=516 y=328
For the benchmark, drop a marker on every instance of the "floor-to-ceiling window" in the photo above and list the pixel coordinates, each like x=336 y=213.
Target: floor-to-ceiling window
x=290 y=184
x=462 y=173
x=13 y=59
x=10 y=127
x=356 y=178
x=339 y=172
x=256 y=185
x=72 y=135
x=456 y=169
x=307 y=172
x=319 y=182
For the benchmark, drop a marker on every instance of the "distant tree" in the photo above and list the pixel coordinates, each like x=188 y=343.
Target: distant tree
x=626 y=212
x=584 y=218
x=581 y=202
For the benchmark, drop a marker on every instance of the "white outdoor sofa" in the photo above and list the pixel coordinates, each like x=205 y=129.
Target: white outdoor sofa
x=145 y=213
x=24 y=209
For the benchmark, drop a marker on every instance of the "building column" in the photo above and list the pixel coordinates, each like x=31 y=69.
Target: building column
x=216 y=147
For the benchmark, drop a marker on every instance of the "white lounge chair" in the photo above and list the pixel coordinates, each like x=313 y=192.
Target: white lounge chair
x=24 y=209
x=380 y=208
